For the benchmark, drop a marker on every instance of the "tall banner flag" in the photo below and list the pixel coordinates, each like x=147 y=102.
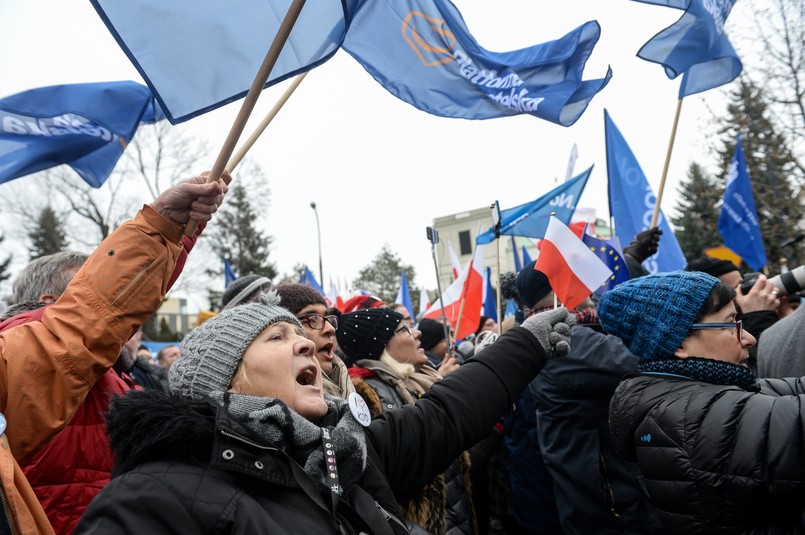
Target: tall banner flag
x=531 y=219
x=454 y=261
x=310 y=280
x=404 y=295
x=631 y=202
x=198 y=55
x=468 y=287
x=695 y=45
x=573 y=270
x=610 y=253
x=517 y=265
x=422 y=52
x=85 y=126
x=738 y=222
x=489 y=299
x=229 y=273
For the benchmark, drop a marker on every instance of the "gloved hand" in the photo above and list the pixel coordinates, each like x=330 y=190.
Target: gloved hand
x=552 y=329
x=644 y=245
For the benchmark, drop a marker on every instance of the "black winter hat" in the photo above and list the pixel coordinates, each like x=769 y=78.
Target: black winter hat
x=432 y=333
x=363 y=334
x=711 y=266
x=532 y=285
x=243 y=290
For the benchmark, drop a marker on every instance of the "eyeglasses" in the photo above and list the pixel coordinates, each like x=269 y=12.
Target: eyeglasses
x=316 y=321
x=405 y=328
x=737 y=325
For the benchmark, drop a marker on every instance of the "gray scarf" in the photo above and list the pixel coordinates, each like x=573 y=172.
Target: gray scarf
x=281 y=427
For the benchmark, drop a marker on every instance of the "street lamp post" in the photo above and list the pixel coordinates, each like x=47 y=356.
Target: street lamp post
x=318 y=233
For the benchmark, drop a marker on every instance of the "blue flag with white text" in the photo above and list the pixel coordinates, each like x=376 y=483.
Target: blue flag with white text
x=310 y=280
x=197 y=55
x=610 y=253
x=490 y=300
x=695 y=45
x=631 y=202
x=531 y=219
x=422 y=52
x=85 y=126
x=737 y=222
x=229 y=273
x=404 y=295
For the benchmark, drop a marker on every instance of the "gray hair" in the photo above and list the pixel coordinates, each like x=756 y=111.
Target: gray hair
x=46 y=275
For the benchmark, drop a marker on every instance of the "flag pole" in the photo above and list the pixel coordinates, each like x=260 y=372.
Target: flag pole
x=247 y=145
x=656 y=215
x=251 y=98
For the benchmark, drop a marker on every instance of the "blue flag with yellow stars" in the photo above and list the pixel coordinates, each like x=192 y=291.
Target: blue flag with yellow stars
x=609 y=251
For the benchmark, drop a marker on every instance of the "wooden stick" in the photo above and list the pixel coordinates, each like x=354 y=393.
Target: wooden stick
x=656 y=215
x=251 y=98
x=247 y=145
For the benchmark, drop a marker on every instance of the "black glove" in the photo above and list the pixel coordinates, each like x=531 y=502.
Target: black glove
x=644 y=244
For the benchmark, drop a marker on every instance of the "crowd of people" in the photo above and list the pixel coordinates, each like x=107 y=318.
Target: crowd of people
x=672 y=403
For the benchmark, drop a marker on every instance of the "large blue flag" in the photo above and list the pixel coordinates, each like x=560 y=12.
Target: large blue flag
x=85 y=126
x=610 y=253
x=310 y=280
x=531 y=219
x=197 y=55
x=738 y=223
x=229 y=273
x=404 y=295
x=490 y=300
x=695 y=45
x=422 y=52
x=631 y=202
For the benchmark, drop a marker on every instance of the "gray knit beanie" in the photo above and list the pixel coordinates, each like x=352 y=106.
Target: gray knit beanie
x=211 y=353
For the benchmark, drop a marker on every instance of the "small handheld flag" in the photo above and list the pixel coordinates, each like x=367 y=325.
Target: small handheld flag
x=610 y=253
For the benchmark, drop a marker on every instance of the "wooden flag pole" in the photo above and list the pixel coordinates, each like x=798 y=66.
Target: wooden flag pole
x=247 y=145
x=251 y=98
x=656 y=215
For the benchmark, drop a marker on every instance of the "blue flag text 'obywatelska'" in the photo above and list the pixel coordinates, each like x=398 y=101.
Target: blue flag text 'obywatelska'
x=85 y=126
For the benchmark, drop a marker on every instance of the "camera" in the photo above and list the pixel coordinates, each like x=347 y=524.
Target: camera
x=788 y=283
x=433 y=235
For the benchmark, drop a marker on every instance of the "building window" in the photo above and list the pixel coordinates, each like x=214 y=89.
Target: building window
x=464 y=242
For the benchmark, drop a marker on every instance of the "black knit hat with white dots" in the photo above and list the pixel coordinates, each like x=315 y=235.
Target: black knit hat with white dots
x=363 y=334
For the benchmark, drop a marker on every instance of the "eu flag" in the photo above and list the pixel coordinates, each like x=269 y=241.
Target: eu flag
x=695 y=45
x=610 y=253
x=737 y=222
x=85 y=126
x=422 y=52
x=631 y=202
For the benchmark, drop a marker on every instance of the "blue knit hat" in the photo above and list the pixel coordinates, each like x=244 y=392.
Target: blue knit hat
x=653 y=314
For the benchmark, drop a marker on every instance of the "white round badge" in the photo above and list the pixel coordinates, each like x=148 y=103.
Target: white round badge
x=2 y=424
x=359 y=410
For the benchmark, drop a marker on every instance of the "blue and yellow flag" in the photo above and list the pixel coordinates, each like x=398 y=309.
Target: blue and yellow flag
x=609 y=252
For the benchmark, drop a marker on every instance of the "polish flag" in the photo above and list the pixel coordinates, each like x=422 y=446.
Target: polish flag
x=572 y=269
x=454 y=261
x=333 y=297
x=469 y=288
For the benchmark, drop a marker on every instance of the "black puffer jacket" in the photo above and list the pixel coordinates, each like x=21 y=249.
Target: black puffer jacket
x=716 y=459
x=189 y=468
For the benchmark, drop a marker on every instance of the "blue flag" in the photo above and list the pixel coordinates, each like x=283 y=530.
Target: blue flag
x=511 y=309
x=526 y=257
x=490 y=301
x=695 y=45
x=229 y=273
x=310 y=280
x=422 y=52
x=631 y=202
x=738 y=223
x=85 y=126
x=531 y=219
x=609 y=252
x=404 y=295
x=517 y=265
x=197 y=55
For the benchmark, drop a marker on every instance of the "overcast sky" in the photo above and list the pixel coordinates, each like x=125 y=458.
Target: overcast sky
x=381 y=170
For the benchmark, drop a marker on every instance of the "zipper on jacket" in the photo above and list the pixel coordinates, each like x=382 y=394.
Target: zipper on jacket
x=388 y=516
x=247 y=441
x=6 y=520
x=133 y=281
x=607 y=486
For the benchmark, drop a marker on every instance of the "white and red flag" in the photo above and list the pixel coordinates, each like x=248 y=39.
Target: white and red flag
x=457 y=269
x=463 y=299
x=572 y=269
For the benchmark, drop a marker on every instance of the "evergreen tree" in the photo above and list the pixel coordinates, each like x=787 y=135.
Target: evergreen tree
x=771 y=168
x=382 y=277
x=235 y=237
x=48 y=236
x=696 y=218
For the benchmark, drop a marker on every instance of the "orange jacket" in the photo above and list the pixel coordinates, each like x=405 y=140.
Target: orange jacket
x=78 y=339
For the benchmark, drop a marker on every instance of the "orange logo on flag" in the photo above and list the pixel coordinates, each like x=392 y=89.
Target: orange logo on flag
x=430 y=40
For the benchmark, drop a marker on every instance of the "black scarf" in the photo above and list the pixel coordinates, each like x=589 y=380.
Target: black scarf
x=712 y=371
